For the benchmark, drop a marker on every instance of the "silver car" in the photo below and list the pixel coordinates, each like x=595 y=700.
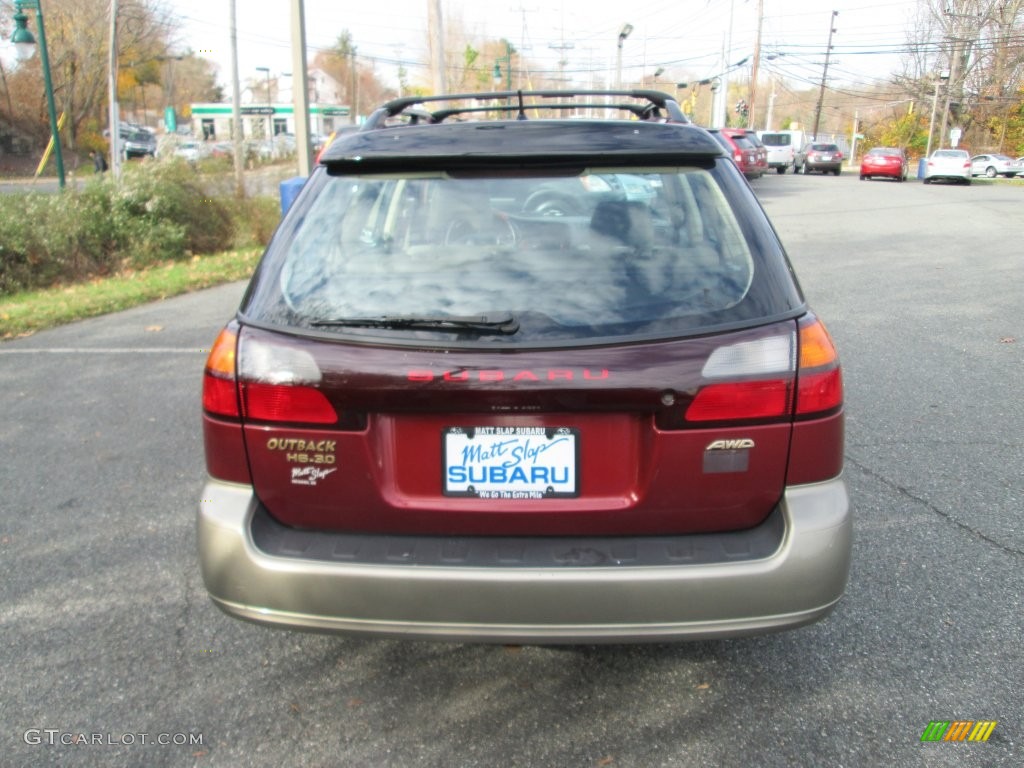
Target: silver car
x=948 y=164
x=995 y=165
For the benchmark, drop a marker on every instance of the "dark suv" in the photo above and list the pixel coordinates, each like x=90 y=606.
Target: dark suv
x=504 y=376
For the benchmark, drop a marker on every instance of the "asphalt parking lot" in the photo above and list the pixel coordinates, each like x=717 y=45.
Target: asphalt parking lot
x=113 y=655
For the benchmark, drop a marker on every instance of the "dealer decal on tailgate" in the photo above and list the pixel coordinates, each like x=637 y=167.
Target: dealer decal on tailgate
x=510 y=462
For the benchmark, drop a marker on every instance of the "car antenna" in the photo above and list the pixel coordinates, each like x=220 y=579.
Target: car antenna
x=522 y=114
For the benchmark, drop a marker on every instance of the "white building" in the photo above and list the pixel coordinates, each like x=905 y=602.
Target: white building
x=212 y=122
x=260 y=120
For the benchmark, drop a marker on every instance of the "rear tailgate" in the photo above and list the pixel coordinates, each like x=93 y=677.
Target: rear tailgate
x=593 y=441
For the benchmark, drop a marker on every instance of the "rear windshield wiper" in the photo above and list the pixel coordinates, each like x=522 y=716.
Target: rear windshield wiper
x=505 y=324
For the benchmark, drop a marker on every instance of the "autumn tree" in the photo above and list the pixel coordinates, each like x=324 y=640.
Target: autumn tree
x=77 y=35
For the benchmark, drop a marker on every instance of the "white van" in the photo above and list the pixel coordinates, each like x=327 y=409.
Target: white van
x=781 y=146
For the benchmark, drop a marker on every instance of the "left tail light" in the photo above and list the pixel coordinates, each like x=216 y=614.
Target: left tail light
x=279 y=383
x=254 y=380
x=223 y=441
x=220 y=396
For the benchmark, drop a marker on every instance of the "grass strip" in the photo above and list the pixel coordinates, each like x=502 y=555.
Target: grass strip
x=22 y=314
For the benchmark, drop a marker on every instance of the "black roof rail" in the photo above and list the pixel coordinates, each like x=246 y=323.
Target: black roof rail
x=649 y=105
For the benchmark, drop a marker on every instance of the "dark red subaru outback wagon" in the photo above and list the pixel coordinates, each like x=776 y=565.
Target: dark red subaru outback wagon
x=507 y=376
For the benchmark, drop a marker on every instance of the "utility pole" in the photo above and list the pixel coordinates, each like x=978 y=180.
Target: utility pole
x=300 y=90
x=236 y=108
x=720 y=103
x=561 y=48
x=824 y=75
x=437 y=65
x=353 y=76
x=853 y=135
x=756 y=65
x=114 y=117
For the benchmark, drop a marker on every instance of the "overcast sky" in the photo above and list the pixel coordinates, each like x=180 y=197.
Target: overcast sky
x=685 y=37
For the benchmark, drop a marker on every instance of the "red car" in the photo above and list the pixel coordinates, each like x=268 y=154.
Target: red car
x=525 y=380
x=749 y=158
x=884 y=161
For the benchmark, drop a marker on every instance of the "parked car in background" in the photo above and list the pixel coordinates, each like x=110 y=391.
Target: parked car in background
x=819 y=156
x=948 y=165
x=995 y=165
x=137 y=142
x=780 y=149
x=740 y=149
x=762 y=151
x=444 y=410
x=888 y=162
x=192 y=151
x=222 y=149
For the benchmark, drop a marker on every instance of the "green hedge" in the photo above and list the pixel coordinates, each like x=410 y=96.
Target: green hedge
x=159 y=212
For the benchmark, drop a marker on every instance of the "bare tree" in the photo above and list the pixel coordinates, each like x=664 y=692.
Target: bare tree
x=971 y=47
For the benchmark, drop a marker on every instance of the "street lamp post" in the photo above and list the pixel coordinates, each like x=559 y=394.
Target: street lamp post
x=24 y=45
x=270 y=121
x=939 y=77
x=625 y=32
x=507 y=58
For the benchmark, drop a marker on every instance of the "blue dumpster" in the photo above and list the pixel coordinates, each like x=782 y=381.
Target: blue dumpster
x=289 y=191
x=921 y=165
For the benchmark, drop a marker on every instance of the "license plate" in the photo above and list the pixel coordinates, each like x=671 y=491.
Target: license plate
x=511 y=462
x=825 y=158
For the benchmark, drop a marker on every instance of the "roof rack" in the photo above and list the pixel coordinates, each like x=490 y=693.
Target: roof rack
x=649 y=105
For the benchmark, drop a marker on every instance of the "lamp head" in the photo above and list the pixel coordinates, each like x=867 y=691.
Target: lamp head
x=24 y=41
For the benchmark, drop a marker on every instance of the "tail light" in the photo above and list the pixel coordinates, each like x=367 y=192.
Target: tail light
x=220 y=396
x=819 y=376
x=226 y=458
x=278 y=383
x=749 y=380
x=256 y=380
x=779 y=377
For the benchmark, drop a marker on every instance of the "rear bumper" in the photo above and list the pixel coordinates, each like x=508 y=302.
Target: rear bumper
x=789 y=571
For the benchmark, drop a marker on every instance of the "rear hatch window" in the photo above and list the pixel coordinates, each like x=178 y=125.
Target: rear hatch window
x=523 y=258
